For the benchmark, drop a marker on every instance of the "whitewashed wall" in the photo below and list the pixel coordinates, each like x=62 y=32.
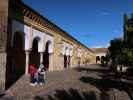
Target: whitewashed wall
x=30 y=34
x=100 y=54
x=51 y=40
x=41 y=42
x=67 y=49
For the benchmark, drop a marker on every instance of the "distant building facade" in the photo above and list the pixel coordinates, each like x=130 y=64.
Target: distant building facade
x=99 y=52
x=26 y=37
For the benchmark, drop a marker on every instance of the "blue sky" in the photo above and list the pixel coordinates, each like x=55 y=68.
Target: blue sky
x=92 y=22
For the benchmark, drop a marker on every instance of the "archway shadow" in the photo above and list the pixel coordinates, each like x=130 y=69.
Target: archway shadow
x=34 y=56
x=46 y=55
x=16 y=61
x=15 y=65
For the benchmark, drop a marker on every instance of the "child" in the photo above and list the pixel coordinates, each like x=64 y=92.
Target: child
x=41 y=74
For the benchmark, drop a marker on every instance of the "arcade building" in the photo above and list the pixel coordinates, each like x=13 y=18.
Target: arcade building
x=26 y=37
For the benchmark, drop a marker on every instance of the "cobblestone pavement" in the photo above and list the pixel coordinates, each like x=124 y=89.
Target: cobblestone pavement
x=89 y=82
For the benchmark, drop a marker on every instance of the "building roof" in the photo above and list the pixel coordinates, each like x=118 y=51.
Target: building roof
x=99 y=50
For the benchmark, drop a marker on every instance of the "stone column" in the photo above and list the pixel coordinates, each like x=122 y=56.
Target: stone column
x=51 y=68
x=70 y=61
x=30 y=36
x=27 y=62
x=41 y=57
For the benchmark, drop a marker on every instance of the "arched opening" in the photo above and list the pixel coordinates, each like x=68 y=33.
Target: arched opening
x=97 y=59
x=46 y=55
x=34 y=55
x=69 y=57
x=17 y=62
x=103 y=59
x=79 y=61
x=65 y=59
x=69 y=61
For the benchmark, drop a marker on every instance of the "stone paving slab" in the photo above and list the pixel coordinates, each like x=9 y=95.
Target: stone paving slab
x=65 y=85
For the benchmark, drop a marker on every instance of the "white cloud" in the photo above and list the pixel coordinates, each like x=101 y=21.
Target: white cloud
x=104 y=13
x=97 y=46
x=101 y=46
x=107 y=45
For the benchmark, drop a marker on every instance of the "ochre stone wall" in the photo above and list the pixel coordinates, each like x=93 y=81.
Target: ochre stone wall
x=3 y=41
x=57 y=61
x=3 y=24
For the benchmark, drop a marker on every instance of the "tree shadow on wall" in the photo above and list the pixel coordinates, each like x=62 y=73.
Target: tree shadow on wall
x=71 y=94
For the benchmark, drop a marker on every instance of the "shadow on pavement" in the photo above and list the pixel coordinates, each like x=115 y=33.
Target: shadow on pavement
x=106 y=83
x=93 y=69
x=102 y=84
x=38 y=98
x=71 y=94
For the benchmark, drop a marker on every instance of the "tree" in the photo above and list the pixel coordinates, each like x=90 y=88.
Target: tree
x=119 y=53
x=121 y=50
x=128 y=31
x=115 y=48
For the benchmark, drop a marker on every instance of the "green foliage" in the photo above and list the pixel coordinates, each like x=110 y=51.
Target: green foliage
x=129 y=39
x=121 y=50
x=126 y=56
x=119 y=53
x=115 y=48
x=125 y=19
x=103 y=60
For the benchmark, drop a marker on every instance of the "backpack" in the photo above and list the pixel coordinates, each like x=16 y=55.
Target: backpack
x=41 y=70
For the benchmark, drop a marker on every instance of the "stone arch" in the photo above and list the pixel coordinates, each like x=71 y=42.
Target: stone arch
x=69 y=57
x=66 y=49
x=19 y=54
x=97 y=59
x=35 y=44
x=79 y=60
x=34 y=55
x=47 y=47
x=18 y=40
x=65 y=58
x=46 y=54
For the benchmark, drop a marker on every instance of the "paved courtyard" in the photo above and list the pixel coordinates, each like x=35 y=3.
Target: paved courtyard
x=90 y=82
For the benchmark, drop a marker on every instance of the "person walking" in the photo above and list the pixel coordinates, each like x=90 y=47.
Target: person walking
x=41 y=74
